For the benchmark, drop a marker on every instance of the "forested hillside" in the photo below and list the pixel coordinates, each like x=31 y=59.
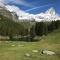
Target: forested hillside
x=11 y=28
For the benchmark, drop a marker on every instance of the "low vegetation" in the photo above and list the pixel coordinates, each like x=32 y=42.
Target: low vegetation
x=15 y=50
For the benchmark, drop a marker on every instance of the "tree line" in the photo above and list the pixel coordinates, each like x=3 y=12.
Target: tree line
x=43 y=28
x=26 y=30
x=10 y=28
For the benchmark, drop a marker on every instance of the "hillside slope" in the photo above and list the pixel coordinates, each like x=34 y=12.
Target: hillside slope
x=16 y=50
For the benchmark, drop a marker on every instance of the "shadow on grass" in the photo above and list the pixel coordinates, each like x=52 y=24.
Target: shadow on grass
x=22 y=40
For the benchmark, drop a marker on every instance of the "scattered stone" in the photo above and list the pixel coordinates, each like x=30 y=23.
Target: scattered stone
x=48 y=52
x=27 y=54
x=35 y=51
x=12 y=45
x=37 y=38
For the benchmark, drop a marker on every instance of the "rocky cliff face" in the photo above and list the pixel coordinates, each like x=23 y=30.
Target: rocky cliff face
x=8 y=14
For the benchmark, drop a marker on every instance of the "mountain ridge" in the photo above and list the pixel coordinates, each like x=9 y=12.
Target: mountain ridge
x=19 y=15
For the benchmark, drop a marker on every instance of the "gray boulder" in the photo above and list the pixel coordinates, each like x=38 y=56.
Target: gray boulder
x=48 y=52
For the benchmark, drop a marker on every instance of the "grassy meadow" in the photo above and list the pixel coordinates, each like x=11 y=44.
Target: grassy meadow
x=16 y=50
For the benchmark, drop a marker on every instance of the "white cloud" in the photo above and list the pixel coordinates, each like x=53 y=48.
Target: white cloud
x=2 y=2
x=15 y=9
x=22 y=2
x=19 y=2
x=19 y=12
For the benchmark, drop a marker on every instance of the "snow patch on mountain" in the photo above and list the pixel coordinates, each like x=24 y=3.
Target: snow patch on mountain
x=21 y=14
x=49 y=15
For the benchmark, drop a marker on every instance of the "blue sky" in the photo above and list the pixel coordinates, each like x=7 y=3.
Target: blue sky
x=35 y=6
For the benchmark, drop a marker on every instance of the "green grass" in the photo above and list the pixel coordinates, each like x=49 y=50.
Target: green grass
x=50 y=42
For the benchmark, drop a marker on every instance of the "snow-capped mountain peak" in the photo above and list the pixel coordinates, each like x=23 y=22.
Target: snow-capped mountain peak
x=49 y=15
x=51 y=11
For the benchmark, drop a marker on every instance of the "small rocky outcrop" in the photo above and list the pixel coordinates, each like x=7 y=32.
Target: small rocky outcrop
x=47 y=52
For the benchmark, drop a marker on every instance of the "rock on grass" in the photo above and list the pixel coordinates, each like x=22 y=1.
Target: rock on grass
x=12 y=45
x=35 y=51
x=27 y=55
x=48 y=52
